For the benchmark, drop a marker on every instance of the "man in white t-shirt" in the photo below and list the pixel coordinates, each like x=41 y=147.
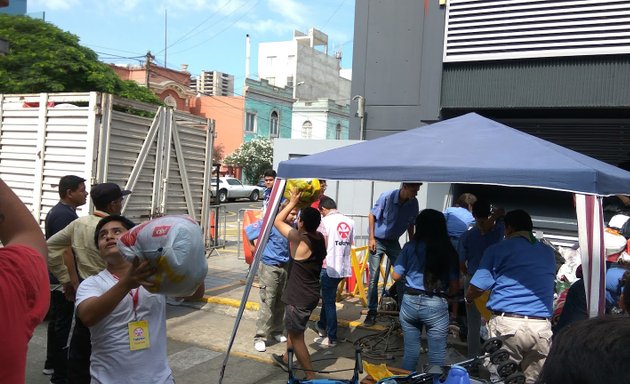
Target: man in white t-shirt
x=338 y=230
x=127 y=322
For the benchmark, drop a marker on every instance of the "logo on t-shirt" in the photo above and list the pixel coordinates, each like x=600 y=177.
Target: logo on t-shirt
x=343 y=231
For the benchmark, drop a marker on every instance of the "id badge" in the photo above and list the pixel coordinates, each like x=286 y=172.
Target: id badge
x=139 y=335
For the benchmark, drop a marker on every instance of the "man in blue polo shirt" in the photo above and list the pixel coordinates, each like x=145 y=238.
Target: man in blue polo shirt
x=472 y=244
x=272 y=276
x=520 y=273
x=394 y=212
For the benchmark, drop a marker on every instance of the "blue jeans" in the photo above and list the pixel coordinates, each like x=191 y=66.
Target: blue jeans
x=392 y=249
x=328 y=314
x=432 y=312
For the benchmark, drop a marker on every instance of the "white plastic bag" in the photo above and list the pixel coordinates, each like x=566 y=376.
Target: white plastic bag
x=175 y=246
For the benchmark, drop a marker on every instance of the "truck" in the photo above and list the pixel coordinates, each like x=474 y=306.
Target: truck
x=162 y=155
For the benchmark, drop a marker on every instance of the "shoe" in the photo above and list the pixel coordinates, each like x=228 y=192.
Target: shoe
x=176 y=301
x=278 y=360
x=325 y=342
x=280 y=338
x=370 y=319
x=260 y=346
x=320 y=331
x=48 y=371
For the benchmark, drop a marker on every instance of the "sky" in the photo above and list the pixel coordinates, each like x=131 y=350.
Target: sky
x=205 y=34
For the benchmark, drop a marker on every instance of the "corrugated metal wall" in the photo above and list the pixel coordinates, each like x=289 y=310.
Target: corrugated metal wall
x=546 y=83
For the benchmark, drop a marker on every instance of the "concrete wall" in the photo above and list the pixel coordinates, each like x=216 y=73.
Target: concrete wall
x=397 y=64
x=315 y=73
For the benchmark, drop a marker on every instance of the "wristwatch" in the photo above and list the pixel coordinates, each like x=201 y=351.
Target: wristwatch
x=467 y=301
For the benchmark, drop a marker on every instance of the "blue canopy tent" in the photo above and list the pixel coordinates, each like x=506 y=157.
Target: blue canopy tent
x=475 y=150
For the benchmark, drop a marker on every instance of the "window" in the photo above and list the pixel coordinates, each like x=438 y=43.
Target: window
x=290 y=81
x=307 y=130
x=271 y=60
x=338 y=132
x=273 y=124
x=234 y=182
x=250 y=122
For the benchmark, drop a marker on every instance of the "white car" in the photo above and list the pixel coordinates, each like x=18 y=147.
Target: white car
x=230 y=188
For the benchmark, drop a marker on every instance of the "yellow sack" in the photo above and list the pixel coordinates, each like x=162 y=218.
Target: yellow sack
x=377 y=372
x=481 y=302
x=309 y=187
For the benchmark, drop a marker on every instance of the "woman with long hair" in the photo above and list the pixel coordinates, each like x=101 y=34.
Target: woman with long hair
x=429 y=266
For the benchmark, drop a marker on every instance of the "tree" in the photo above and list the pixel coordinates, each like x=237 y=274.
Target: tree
x=43 y=58
x=254 y=157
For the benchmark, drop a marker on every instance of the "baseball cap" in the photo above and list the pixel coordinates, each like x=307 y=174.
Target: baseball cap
x=104 y=193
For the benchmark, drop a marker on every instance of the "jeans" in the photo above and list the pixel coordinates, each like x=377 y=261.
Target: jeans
x=270 y=321
x=392 y=249
x=58 y=331
x=432 y=312
x=328 y=314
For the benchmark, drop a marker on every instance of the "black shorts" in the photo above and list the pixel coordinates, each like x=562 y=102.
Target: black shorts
x=296 y=318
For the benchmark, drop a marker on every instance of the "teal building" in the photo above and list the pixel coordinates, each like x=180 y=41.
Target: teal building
x=268 y=110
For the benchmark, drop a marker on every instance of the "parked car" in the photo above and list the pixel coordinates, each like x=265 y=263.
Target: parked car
x=230 y=189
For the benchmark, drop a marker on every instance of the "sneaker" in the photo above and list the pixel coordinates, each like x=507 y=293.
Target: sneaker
x=370 y=319
x=325 y=342
x=280 y=338
x=321 y=332
x=48 y=371
x=278 y=360
x=260 y=346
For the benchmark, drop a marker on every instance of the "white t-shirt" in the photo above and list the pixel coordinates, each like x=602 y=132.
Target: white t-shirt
x=339 y=230
x=112 y=361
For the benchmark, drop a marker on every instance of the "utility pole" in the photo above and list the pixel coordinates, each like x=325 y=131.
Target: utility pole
x=148 y=68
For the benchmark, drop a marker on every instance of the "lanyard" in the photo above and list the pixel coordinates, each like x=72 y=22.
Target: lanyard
x=135 y=298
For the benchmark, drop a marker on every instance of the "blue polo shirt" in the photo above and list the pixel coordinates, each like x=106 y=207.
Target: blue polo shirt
x=521 y=276
x=473 y=244
x=276 y=251
x=411 y=262
x=458 y=220
x=614 y=273
x=391 y=217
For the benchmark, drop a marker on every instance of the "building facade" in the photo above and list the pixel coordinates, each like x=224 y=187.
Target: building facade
x=304 y=65
x=228 y=113
x=320 y=119
x=170 y=85
x=13 y=7
x=268 y=110
x=213 y=83
x=559 y=70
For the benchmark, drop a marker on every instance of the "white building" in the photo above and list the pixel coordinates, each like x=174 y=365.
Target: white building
x=320 y=119
x=304 y=64
x=213 y=83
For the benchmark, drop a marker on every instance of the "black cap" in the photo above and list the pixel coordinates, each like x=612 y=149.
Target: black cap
x=104 y=193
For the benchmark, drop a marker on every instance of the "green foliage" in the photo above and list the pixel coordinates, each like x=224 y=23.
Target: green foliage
x=43 y=58
x=254 y=157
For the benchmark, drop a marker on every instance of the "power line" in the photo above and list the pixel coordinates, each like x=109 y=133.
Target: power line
x=183 y=37
x=223 y=30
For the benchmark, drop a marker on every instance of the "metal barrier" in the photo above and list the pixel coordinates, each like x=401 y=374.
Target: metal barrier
x=217 y=227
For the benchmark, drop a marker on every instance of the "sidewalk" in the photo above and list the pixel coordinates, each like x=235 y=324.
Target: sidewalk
x=210 y=324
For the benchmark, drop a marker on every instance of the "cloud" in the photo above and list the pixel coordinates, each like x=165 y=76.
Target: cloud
x=291 y=10
x=37 y=5
x=264 y=26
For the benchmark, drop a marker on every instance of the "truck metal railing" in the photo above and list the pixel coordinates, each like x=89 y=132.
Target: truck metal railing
x=217 y=228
